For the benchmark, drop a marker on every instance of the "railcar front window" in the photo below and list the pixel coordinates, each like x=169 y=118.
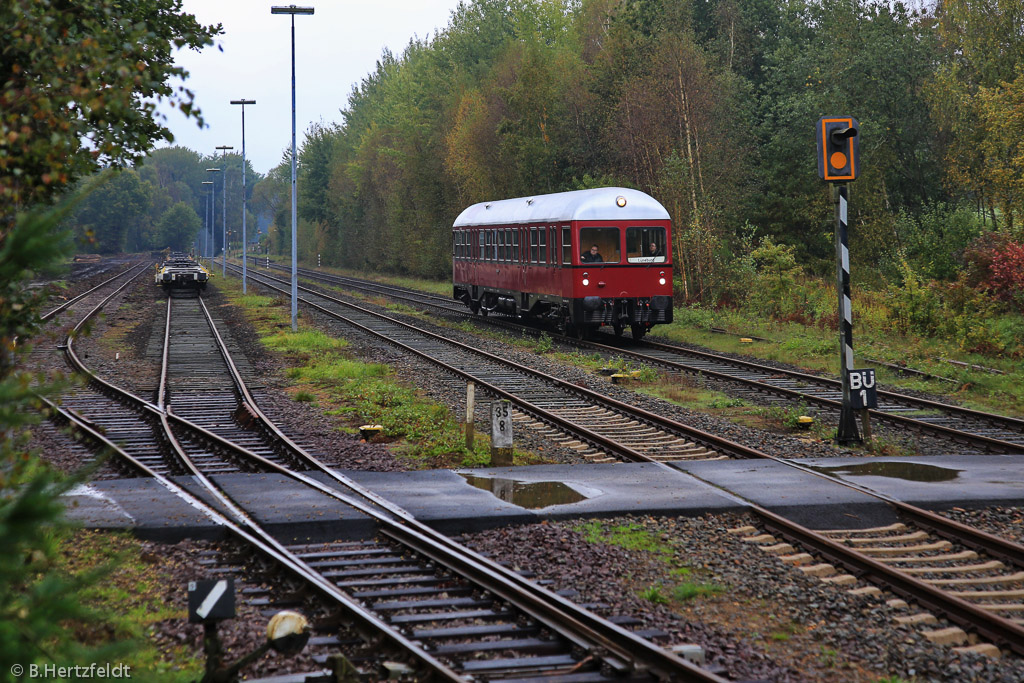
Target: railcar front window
x=646 y=244
x=607 y=242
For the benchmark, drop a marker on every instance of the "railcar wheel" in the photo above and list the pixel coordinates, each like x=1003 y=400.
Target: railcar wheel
x=638 y=331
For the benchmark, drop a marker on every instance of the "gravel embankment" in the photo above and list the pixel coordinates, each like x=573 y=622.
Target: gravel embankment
x=768 y=622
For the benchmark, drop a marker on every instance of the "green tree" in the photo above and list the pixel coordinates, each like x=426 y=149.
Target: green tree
x=178 y=227
x=79 y=84
x=115 y=216
x=975 y=97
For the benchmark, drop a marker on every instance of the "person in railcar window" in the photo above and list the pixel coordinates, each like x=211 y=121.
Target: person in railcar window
x=654 y=250
x=592 y=256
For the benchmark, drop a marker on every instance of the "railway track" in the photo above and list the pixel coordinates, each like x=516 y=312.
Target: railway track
x=895 y=560
x=447 y=612
x=597 y=425
x=977 y=429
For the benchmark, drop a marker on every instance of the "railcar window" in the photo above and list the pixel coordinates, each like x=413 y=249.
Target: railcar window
x=566 y=244
x=500 y=244
x=515 y=244
x=543 y=245
x=645 y=244
x=607 y=241
x=534 y=249
x=481 y=240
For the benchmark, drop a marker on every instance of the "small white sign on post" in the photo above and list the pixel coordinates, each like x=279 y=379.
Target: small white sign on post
x=501 y=433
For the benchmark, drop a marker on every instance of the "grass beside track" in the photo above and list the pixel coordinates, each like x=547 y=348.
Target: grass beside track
x=816 y=348
x=325 y=374
x=131 y=603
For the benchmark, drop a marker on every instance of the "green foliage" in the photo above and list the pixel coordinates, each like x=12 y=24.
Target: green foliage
x=689 y=590
x=935 y=239
x=629 y=536
x=653 y=594
x=955 y=310
x=79 y=88
x=178 y=227
x=774 y=290
x=544 y=343
x=304 y=342
x=110 y=219
x=36 y=603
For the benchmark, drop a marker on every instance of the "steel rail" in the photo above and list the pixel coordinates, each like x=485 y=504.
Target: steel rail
x=700 y=436
x=1001 y=631
x=253 y=532
x=531 y=599
x=998 y=629
x=74 y=300
x=990 y=443
x=559 y=614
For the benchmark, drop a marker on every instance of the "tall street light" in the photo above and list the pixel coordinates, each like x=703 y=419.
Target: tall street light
x=224 y=208
x=293 y=10
x=213 y=213
x=208 y=231
x=245 y=238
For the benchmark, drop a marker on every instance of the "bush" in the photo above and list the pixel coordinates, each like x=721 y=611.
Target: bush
x=935 y=239
x=953 y=310
x=1006 y=273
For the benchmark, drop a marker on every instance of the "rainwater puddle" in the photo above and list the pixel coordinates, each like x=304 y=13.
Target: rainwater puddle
x=910 y=471
x=527 y=494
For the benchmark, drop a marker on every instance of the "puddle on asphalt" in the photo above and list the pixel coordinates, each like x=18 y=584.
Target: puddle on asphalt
x=910 y=471
x=527 y=494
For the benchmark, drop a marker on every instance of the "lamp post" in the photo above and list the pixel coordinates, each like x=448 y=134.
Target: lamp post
x=207 y=232
x=245 y=237
x=293 y=10
x=224 y=208
x=213 y=213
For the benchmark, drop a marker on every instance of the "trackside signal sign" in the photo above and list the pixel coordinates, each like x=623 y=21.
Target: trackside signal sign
x=838 y=140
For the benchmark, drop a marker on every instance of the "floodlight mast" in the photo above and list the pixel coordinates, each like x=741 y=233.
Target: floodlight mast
x=293 y=10
x=245 y=239
x=224 y=210
x=213 y=218
x=206 y=215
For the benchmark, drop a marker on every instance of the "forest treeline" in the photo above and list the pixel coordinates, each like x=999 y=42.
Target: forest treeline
x=708 y=106
x=162 y=202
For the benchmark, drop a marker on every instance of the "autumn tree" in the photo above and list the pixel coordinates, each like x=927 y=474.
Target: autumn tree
x=79 y=86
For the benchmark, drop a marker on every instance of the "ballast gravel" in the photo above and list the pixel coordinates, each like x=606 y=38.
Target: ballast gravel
x=760 y=619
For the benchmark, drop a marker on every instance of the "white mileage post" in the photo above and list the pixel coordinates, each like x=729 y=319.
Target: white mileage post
x=501 y=433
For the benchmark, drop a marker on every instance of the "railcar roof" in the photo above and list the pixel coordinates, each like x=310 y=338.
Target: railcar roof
x=594 y=205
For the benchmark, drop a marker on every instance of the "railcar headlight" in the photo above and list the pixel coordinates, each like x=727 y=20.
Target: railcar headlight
x=661 y=278
x=586 y=279
x=620 y=201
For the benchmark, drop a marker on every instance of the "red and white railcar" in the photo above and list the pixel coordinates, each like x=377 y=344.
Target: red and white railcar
x=531 y=257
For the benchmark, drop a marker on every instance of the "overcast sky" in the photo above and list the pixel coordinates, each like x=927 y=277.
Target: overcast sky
x=334 y=49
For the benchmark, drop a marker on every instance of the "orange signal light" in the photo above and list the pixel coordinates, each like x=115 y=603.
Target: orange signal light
x=838 y=144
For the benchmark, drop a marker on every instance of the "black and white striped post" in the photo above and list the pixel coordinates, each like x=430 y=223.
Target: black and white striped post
x=847 y=422
x=838 y=146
